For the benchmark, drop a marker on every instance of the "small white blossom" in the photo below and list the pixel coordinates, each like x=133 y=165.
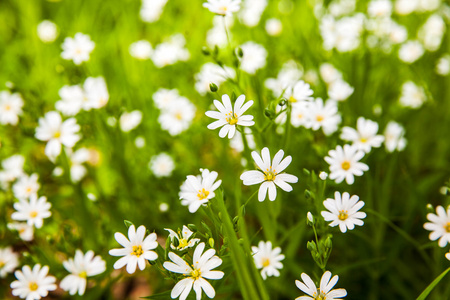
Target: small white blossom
x=254 y=57
x=340 y=90
x=325 y=116
x=410 y=51
x=273 y=27
x=129 y=121
x=26 y=232
x=9 y=260
x=443 y=65
x=267 y=259
x=96 y=93
x=212 y=73
x=26 y=186
x=33 y=211
x=365 y=136
x=178 y=116
x=12 y=169
x=325 y=289
x=223 y=7
x=33 y=284
x=183 y=237
x=162 y=165
x=78 y=48
x=323 y=175
x=47 y=31
x=394 y=137
x=170 y=52
x=151 y=10
x=10 y=107
x=439 y=225
x=344 y=163
x=141 y=50
x=412 y=95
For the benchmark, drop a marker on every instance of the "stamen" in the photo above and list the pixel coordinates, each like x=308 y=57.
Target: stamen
x=203 y=194
x=137 y=250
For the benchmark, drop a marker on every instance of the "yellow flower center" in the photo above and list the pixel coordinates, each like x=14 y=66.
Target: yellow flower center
x=319 y=118
x=7 y=107
x=196 y=274
x=57 y=134
x=363 y=140
x=343 y=215
x=33 y=214
x=203 y=194
x=269 y=174
x=345 y=165
x=319 y=295
x=266 y=262
x=2 y=264
x=83 y=274
x=447 y=227
x=137 y=250
x=292 y=99
x=28 y=189
x=33 y=286
x=183 y=243
x=231 y=118
x=178 y=116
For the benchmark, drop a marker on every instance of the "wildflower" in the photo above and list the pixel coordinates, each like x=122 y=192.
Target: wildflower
x=56 y=132
x=410 y=51
x=195 y=274
x=344 y=211
x=394 y=137
x=72 y=100
x=129 y=121
x=33 y=211
x=380 y=8
x=33 y=284
x=432 y=32
x=12 y=169
x=10 y=107
x=273 y=27
x=47 y=31
x=198 y=190
x=344 y=163
x=141 y=50
x=267 y=259
x=80 y=267
x=287 y=77
x=139 y=142
x=301 y=92
x=447 y=255
x=254 y=57
x=151 y=10
x=269 y=174
x=300 y=114
x=230 y=117
x=211 y=72
x=325 y=289
x=9 y=260
x=96 y=93
x=250 y=14
x=325 y=116
x=365 y=136
x=135 y=249
x=340 y=90
x=181 y=239
x=223 y=7
x=412 y=96
x=443 y=65
x=78 y=48
x=170 y=52
x=178 y=116
x=26 y=186
x=26 y=232
x=77 y=158
x=164 y=98
x=323 y=175
x=439 y=226
x=162 y=165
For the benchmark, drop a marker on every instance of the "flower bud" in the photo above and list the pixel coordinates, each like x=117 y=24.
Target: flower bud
x=192 y=227
x=213 y=87
x=206 y=51
x=239 y=52
x=309 y=219
x=269 y=114
x=311 y=246
x=323 y=175
x=211 y=242
x=282 y=102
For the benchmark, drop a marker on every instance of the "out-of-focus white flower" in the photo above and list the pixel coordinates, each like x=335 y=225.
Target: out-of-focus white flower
x=344 y=211
x=136 y=249
x=412 y=96
x=151 y=10
x=198 y=190
x=439 y=225
x=329 y=73
x=254 y=57
x=111 y=121
x=323 y=175
x=288 y=76
x=196 y=273
x=96 y=93
x=405 y=7
x=12 y=169
x=251 y=12
x=267 y=259
x=269 y=174
x=344 y=163
x=343 y=34
x=77 y=159
x=223 y=7
x=325 y=116
x=33 y=211
x=340 y=8
x=212 y=73
x=33 y=284
x=340 y=90
x=56 y=132
x=380 y=8
x=163 y=207
x=273 y=27
x=26 y=186
x=310 y=218
x=301 y=92
x=178 y=116
x=26 y=232
x=428 y=5
x=229 y=117
x=164 y=98
x=139 y=142
x=443 y=65
x=411 y=51
x=182 y=239
x=394 y=137
x=10 y=107
x=9 y=260
x=325 y=289
x=300 y=114
x=77 y=49
x=162 y=165
x=432 y=32
x=72 y=100
x=141 y=50
x=365 y=136
x=129 y=121
x=170 y=52
x=47 y=31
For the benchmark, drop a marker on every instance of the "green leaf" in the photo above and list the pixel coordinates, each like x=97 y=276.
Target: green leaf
x=429 y=288
x=128 y=223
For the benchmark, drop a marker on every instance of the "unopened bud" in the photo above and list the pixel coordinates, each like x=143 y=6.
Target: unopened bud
x=213 y=87
x=239 y=52
x=269 y=114
x=310 y=219
x=192 y=227
x=311 y=246
x=307 y=194
x=206 y=51
x=323 y=175
x=306 y=172
x=282 y=102
x=211 y=242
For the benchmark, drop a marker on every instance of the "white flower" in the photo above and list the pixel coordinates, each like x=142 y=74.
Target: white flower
x=254 y=57
x=344 y=211
x=273 y=27
x=178 y=116
x=343 y=34
x=164 y=98
x=183 y=238
x=410 y=51
x=10 y=107
x=33 y=211
x=170 y=52
x=250 y=14
x=163 y=207
x=77 y=159
x=139 y=142
x=443 y=65
x=26 y=186
x=230 y=117
x=78 y=48
x=141 y=50
x=26 y=232
x=344 y=163
x=394 y=137
x=365 y=136
x=432 y=32
x=269 y=174
x=223 y=7
x=129 y=121
x=212 y=73
x=405 y=7
x=72 y=100
x=340 y=90
x=162 y=165
x=96 y=93
x=56 y=132
x=412 y=96
x=80 y=267
x=325 y=116
x=198 y=190
x=287 y=77
x=380 y=8
x=300 y=92
x=33 y=284
x=9 y=260
x=12 y=169
x=323 y=175
x=439 y=226
x=136 y=250
x=195 y=274
x=329 y=73
x=47 y=31
x=310 y=217
x=267 y=259
x=300 y=114
x=325 y=289
x=151 y=10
